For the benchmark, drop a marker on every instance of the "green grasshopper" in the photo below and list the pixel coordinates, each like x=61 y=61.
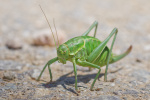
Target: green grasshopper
x=87 y=51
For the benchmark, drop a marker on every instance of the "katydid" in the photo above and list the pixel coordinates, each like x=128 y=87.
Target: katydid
x=87 y=51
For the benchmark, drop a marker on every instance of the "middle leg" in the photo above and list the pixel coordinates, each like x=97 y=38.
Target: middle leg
x=85 y=63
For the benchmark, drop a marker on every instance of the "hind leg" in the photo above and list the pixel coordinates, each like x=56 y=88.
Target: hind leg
x=98 y=50
x=95 y=24
x=105 y=77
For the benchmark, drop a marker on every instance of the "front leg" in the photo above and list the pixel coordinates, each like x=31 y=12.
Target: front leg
x=48 y=63
x=75 y=72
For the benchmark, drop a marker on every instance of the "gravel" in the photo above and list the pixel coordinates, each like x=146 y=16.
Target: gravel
x=10 y=65
x=141 y=75
x=107 y=97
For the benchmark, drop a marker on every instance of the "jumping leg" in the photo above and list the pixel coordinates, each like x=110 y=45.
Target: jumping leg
x=105 y=77
x=97 y=52
x=95 y=24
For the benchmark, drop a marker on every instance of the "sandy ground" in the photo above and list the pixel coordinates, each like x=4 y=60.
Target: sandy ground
x=128 y=79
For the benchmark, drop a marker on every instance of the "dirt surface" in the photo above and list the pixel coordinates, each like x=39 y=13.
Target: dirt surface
x=21 y=62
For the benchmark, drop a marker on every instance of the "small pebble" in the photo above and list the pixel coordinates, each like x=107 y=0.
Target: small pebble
x=138 y=60
x=45 y=37
x=25 y=83
x=111 y=77
x=116 y=93
x=124 y=98
x=134 y=83
x=9 y=75
x=15 y=43
x=35 y=73
x=98 y=89
x=112 y=84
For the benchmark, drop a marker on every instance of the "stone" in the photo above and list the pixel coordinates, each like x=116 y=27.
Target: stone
x=124 y=98
x=116 y=93
x=138 y=60
x=9 y=75
x=34 y=73
x=45 y=37
x=111 y=77
x=14 y=43
x=133 y=83
x=112 y=84
x=21 y=76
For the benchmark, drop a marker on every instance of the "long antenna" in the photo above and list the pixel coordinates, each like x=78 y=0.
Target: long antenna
x=49 y=25
x=56 y=31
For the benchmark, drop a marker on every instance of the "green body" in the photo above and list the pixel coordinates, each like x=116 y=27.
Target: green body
x=81 y=47
x=87 y=51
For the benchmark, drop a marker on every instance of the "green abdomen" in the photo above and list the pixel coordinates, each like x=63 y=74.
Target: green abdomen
x=90 y=45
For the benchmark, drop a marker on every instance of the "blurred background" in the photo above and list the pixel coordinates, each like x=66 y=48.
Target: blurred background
x=26 y=41
x=23 y=21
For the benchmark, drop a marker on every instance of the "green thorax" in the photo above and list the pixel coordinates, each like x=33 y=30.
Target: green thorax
x=82 y=42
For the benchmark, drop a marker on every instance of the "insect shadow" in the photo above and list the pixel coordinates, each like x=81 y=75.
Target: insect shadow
x=69 y=80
